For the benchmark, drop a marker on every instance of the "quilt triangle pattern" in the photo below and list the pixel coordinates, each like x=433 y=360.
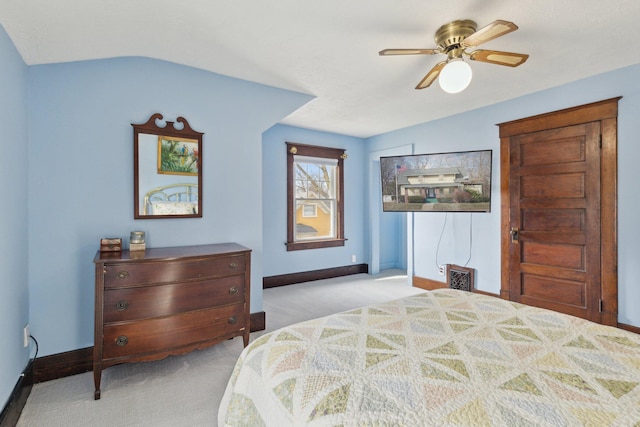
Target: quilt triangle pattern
x=443 y=357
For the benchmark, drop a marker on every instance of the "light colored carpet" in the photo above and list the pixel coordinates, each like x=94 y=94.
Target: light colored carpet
x=186 y=390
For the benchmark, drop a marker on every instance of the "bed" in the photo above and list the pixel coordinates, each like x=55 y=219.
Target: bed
x=173 y=199
x=442 y=358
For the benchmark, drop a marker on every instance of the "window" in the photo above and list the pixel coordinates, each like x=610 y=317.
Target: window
x=315 y=192
x=309 y=211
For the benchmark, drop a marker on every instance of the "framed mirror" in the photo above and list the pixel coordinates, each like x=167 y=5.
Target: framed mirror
x=167 y=169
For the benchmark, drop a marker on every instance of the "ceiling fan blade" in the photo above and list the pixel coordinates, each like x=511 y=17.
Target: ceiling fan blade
x=494 y=30
x=510 y=59
x=431 y=76
x=386 y=52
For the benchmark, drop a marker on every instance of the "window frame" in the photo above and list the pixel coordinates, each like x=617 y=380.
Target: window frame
x=295 y=149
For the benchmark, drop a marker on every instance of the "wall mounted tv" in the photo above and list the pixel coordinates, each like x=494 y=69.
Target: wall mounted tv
x=442 y=182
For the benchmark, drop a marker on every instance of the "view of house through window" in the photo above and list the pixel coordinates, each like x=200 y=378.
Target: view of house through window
x=315 y=211
x=315 y=193
x=309 y=210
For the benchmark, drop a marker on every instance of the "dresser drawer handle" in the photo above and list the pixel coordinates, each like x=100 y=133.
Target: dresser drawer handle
x=122 y=340
x=233 y=290
x=233 y=320
x=123 y=274
x=233 y=265
x=122 y=305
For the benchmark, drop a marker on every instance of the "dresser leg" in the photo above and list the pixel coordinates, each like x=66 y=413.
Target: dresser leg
x=97 y=376
x=245 y=337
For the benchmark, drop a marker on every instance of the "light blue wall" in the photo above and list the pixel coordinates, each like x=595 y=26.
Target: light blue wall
x=392 y=251
x=14 y=291
x=81 y=174
x=477 y=130
x=274 y=201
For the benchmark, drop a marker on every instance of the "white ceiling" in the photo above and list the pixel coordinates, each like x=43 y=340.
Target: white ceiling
x=329 y=48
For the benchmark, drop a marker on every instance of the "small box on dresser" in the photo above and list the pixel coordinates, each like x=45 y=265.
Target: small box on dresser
x=168 y=301
x=110 y=244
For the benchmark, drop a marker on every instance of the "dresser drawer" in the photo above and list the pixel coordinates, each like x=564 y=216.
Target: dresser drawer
x=125 y=274
x=163 y=300
x=171 y=332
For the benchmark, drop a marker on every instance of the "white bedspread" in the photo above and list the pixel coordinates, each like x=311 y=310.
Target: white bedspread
x=442 y=358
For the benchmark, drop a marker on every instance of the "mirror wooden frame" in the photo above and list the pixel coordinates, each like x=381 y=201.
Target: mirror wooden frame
x=183 y=132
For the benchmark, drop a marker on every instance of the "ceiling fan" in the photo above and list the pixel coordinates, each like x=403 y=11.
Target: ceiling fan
x=453 y=39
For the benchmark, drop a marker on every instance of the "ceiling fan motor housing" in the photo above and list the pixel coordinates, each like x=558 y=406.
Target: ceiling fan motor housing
x=450 y=36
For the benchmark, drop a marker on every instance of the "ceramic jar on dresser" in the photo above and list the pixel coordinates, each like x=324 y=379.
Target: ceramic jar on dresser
x=168 y=301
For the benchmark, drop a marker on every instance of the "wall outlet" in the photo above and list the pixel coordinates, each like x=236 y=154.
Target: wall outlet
x=353 y=258
x=441 y=269
x=26 y=334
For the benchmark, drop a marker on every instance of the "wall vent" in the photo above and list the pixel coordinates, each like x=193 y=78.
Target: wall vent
x=461 y=278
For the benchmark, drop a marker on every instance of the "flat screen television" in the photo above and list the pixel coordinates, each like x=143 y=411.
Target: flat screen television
x=442 y=182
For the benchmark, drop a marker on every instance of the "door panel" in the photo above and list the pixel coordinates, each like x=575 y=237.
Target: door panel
x=554 y=193
x=565 y=151
x=547 y=288
x=552 y=254
x=553 y=220
x=557 y=186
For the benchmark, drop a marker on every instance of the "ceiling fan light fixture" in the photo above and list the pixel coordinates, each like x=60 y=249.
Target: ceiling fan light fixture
x=455 y=76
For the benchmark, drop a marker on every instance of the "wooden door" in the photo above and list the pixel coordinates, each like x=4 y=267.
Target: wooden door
x=558 y=186
x=555 y=219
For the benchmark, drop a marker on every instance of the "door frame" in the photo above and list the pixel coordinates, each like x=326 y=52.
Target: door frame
x=606 y=112
x=375 y=211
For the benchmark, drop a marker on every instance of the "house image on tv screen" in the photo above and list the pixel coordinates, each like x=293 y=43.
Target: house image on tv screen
x=436 y=185
x=445 y=182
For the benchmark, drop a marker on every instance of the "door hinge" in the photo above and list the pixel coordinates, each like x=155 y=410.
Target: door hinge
x=600 y=305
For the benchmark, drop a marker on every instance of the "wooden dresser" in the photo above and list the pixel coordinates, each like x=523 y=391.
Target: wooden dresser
x=168 y=301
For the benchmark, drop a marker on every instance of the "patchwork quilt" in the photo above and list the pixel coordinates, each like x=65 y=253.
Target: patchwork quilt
x=441 y=358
